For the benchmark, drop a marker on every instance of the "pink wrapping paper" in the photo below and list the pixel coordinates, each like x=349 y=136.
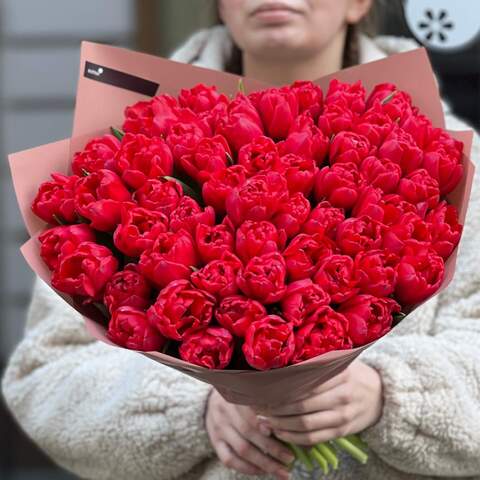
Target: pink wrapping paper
x=100 y=105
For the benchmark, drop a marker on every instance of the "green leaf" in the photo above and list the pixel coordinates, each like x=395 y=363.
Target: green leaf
x=229 y=158
x=103 y=309
x=57 y=219
x=117 y=133
x=187 y=189
x=81 y=219
x=388 y=97
x=398 y=317
x=165 y=347
x=241 y=86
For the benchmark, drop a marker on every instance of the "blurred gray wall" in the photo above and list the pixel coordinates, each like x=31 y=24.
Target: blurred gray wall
x=174 y=20
x=39 y=60
x=39 y=55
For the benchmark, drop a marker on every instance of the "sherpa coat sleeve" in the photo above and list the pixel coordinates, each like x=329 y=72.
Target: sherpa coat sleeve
x=431 y=374
x=100 y=411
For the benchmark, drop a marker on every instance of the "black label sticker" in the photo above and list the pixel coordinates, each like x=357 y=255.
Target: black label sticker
x=116 y=78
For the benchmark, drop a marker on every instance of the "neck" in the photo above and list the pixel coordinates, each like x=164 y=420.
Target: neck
x=279 y=71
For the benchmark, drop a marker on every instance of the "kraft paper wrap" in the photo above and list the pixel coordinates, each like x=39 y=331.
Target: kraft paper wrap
x=100 y=105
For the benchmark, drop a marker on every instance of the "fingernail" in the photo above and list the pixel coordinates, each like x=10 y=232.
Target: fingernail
x=264 y=429
x=262 y=418
x=264 y=425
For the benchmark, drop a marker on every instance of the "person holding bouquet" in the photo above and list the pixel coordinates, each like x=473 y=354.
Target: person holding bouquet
x=106 y=413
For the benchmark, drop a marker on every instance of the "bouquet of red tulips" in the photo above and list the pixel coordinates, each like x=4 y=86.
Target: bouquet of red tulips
x=232 y=234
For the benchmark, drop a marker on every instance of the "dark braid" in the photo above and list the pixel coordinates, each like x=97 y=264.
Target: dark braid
x=235 y=62
x=351 y=51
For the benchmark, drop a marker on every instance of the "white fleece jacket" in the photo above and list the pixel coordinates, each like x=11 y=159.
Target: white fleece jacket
x=106 y=413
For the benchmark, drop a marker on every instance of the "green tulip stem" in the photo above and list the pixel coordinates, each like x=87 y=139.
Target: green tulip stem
x=357 y=441
x=327 y=451
x=301 y=456
x=350 y=448
x=320 y=459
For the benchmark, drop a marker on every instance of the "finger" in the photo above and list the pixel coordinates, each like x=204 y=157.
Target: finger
x=248 y=452
x=242 y=414
x=312 y=438
x=249 y=428
x=231 y=460
x=309 y=422
x=318 y=401
x=332 y=382
x=273 y=447
x=305 y=405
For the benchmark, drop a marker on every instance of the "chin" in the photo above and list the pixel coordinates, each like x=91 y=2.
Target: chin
x=283 y=40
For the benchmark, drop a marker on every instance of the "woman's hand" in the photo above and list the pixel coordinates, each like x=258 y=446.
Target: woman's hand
x=239 y=441
x=346 y=404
